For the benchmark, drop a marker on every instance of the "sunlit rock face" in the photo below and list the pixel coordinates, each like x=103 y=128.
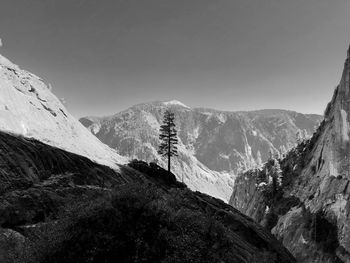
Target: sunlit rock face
x=318 y=229
x=29 y=108
x=213 y=145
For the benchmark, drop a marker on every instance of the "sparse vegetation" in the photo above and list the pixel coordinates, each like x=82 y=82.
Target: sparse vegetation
x=277 y=176
x=139 y=224
x=144 y=223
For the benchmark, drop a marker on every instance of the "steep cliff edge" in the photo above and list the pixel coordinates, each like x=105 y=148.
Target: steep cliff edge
x=315 y=225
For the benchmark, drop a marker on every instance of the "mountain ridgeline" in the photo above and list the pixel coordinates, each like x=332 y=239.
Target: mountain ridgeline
x=213 y=145
x=311 y=214
x=67 y=197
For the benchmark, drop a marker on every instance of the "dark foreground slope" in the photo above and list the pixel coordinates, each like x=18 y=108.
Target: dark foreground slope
x=56 y=206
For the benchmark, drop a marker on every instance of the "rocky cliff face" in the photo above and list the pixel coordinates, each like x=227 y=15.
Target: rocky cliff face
x=316 y=227
x=28 y=107
x=213 y=145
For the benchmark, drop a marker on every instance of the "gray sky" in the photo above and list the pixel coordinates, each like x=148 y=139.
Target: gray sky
x=104 y=56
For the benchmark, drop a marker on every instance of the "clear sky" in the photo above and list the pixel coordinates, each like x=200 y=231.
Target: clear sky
x=103 y=56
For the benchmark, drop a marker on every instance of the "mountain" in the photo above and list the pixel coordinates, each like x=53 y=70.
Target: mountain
x=311 y=215
x=58 y=203
x=28 y=107
x=56 y=206
x=213 y=145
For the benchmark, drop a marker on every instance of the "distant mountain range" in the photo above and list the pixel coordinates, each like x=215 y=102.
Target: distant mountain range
x=213 y=145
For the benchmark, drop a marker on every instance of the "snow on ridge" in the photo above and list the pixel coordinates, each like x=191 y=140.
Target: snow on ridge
x=176 y=103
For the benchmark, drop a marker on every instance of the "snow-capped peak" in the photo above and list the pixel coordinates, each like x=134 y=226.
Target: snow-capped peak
x=176 y=103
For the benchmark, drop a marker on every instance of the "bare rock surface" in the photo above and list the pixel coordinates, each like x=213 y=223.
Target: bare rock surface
x=29 y=108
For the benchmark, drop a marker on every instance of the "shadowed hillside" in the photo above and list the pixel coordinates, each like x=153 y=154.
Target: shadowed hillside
x=56 y=206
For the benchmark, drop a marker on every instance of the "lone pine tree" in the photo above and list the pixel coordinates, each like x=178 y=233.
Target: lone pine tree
x=168 y=137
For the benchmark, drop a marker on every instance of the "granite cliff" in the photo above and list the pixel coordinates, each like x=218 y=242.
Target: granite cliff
x=29 y=108
x=311 y=215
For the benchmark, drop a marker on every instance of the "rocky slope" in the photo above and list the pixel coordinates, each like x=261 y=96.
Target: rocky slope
x=28 y=107
x=213 y=145
x=57 y=206
x=315 y=225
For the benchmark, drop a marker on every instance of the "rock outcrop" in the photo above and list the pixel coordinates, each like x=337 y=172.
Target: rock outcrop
x=29 y=108
x=316 y=227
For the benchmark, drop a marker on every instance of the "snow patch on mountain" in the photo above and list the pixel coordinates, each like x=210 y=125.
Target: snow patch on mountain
x=175 y=103
x=221 y=117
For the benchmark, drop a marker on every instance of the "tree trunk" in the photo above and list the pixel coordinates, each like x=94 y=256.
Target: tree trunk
x=169 y=155
x=169 y=163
